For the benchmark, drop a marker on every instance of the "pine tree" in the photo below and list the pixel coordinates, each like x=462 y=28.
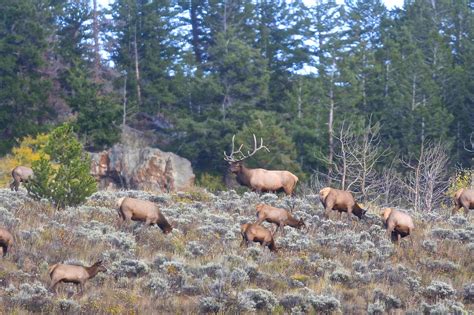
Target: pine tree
x=282 y=155
x=25 y=26
x=147 y=51
x=281 y=29
x=65 y=178
x=97 y=110
x=333 y=75
x=413 y=110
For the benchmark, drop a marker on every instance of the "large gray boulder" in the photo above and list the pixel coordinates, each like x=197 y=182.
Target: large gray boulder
x=145 y=168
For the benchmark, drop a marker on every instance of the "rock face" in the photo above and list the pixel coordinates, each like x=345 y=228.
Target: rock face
x=145 y=168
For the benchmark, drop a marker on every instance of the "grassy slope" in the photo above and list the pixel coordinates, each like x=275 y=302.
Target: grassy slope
x=335 y=266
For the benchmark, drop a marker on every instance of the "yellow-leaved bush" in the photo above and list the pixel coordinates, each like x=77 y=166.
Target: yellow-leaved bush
x=29 y=150
x=462 y=179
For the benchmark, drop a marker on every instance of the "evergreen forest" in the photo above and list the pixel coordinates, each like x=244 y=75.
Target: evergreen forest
x=329 y=86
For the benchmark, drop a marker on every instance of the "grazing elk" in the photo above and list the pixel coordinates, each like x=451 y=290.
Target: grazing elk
x=73 y=274
x=464 y=198
x=340 y=200
x=142 y=210
x=6 y=240
x=259 y=179
x=20 y=174
x=257 y=233
x=398 y=224
x=278 y=216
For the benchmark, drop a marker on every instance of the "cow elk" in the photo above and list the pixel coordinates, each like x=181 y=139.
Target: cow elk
x=259 y=179
x=398 y=224
x=6 y=240
x=340 y=200
x=278 y=216
x=73 y=274
x=464 y=198
x=142 y=210
x=20 y=174
x=257 y=233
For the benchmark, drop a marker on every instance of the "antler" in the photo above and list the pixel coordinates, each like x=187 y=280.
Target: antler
x=230 y=158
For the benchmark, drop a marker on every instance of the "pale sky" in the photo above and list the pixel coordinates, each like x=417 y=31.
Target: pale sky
x=389 y=3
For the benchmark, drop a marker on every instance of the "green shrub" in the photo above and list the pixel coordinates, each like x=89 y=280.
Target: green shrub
x=63 y=178
x=211 y=182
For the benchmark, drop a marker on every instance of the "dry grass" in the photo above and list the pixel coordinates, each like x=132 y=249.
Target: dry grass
x=338 y=266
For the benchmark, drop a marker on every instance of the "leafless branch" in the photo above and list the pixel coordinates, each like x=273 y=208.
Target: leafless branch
x=426 y=177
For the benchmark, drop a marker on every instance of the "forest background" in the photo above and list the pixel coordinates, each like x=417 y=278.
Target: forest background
x=349 y=92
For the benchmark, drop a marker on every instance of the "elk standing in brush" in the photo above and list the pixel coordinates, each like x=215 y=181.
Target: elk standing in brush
x=398 y=224
x=340 y=200
x=278 y=216
x=6 y=240
x=257 y=233
x=464 y=198
x=73 y=274
x=142 y=210
x=259 y=179
x=20 y=174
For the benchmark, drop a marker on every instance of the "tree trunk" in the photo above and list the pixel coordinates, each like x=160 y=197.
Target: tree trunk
x=299 y=100
x=137 y=68
x=418 y=178
x=195 y=31
x=227 y=99
x=423 y=122
x=124 y=114
x=387 y=77
x=95 y=29
x=364 y=88
x=413 y=93
x=331 y=127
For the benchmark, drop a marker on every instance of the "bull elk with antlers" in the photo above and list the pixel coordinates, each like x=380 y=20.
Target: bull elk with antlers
x=259 y=179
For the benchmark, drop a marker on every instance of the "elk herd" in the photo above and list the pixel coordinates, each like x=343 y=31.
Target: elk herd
x=397 y=223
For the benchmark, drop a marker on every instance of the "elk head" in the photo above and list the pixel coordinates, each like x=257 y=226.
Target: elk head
x=100 y=267
x=235 y=158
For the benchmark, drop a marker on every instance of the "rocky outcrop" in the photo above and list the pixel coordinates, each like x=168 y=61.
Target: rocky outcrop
x=145 y=168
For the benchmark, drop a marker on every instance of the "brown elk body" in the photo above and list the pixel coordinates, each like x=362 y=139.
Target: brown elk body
x=262 y=180
x=73 y=274
x=464 y=198
x=340 y=200
x=142 y=210
x=20 y=174
x=278 y=216
x=259 y=179
x=6 y=240
x=398 y=223
x=257 y=233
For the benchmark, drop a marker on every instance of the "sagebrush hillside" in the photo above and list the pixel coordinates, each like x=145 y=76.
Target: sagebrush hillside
x=334 y=267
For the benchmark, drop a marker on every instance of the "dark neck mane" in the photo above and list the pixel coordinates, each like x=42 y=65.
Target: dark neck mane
x=92 y=270
x=243 y=177
x=357 y=209
x=292 y=221
x=163 y=223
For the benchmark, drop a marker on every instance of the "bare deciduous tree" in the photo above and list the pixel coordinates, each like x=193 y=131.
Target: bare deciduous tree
x=355 y=159
x=426 y=179
x=390 y=188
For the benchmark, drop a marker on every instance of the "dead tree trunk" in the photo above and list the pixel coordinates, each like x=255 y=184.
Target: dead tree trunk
x=331 y=127
x=137 y=67
x=95 y=30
